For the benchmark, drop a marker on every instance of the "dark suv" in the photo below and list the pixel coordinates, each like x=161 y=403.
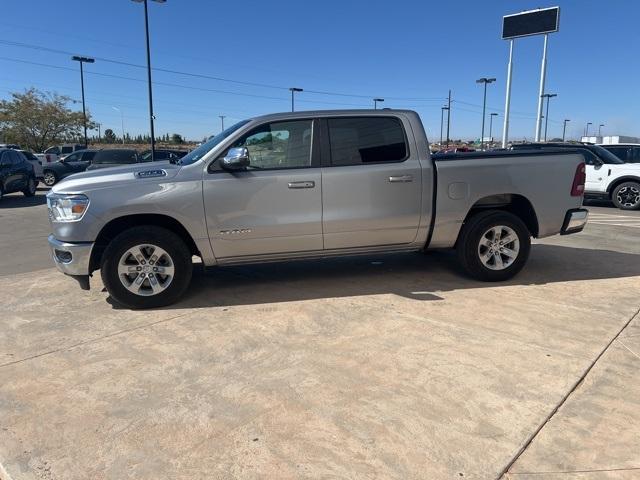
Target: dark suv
x=593 y=154
x=74 y=163
x=16 y=173
x=113 y=157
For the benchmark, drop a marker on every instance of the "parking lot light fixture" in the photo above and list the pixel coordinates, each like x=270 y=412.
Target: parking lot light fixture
x=564 y=127
x=151 y=117
x=293 y=90
x=586 y=130
x=375 y=102
x=485 y=81
x=600 y=129
x=82 y=60
x=493 y=114
x=222 y=121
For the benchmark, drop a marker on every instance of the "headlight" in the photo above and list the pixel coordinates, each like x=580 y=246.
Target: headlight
x=66 y=208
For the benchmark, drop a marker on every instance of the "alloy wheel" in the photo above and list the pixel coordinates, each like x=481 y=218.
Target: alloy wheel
x=498 y=247
x=628 y=196
x=146 y=270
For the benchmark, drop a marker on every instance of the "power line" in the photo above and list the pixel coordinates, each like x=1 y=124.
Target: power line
x=208 y=77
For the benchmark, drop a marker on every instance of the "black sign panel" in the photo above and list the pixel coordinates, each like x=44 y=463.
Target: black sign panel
x=533 y=22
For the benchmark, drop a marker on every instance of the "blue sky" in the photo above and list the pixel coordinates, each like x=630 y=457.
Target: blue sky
x=408 y=52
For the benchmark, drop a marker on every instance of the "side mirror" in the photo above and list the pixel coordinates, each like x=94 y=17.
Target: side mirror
x=236 y=159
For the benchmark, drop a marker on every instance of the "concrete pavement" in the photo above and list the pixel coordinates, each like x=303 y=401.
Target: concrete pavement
x=373 y=367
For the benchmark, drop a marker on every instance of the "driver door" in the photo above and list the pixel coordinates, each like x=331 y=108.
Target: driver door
x=274 y=206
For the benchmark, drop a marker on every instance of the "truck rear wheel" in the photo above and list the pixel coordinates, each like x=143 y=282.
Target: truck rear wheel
x=626 y=196
x=146 y=267
x=493 y=246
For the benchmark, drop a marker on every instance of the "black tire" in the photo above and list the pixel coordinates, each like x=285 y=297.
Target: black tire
x=50 y=178
x=31 y=188
x=626 y=196
x=171 y=243
x=469 y=249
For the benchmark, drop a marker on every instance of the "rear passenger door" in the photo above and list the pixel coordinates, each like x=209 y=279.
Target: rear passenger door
x=371 y=184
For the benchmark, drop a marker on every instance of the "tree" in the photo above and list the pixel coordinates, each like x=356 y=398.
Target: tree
x=36 y=119
x=177 y=138
x=109 y=136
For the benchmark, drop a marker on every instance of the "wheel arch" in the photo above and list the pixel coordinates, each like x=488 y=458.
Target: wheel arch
x=120 y=224
x=514 y=203
x=627 y=178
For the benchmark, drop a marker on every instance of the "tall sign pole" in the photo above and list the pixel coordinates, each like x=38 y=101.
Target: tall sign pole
x=507 y=101
x=532 y=22
x=543 y=76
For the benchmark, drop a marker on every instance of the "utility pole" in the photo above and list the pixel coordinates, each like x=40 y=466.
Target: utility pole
x=222 y=121
x=448 y=116
x=294 y=90
x=485 y=81
x=442 y=109
x=548 y=96
x=564 y=127
x=151 y=117
x=82 y=60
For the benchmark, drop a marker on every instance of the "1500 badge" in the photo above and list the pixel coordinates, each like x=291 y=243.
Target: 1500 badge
x=235 y=231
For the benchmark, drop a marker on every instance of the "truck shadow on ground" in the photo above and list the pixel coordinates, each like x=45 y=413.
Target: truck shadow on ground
x=413 y=275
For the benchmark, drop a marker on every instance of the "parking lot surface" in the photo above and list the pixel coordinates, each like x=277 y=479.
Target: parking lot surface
x=368 y=367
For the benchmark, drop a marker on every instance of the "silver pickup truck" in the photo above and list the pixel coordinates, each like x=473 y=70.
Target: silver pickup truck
x=308 y=185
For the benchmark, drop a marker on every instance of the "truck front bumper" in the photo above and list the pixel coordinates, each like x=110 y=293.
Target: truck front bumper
x=71 y=258
x=574 y=221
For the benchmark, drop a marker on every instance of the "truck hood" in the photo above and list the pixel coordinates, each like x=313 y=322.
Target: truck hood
x=109 y=177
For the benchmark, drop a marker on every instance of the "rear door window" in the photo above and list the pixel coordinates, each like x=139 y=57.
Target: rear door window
x=635 y=155
x=620 y=152
x=361 y=140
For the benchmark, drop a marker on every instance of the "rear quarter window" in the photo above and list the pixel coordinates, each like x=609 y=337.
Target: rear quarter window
x=362 y=140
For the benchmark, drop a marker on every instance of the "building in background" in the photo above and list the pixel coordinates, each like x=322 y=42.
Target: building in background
x=610 y=139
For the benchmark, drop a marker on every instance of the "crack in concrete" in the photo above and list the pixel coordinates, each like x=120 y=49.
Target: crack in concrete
x=503 y=473
x=94 y=340
x=562 y=472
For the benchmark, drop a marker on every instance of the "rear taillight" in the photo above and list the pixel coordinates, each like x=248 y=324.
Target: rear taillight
x=577 y=189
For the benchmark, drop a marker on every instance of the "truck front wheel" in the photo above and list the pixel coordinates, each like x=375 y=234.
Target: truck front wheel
x=146 y=267
x=493 y=246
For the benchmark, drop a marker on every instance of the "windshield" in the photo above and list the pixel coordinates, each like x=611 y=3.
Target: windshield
x=606 y=156
x=195 y=155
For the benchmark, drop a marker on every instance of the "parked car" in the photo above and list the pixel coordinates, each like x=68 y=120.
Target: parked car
x=627 y=152
x=74 y=163
x=16 y=173
x=12 y=146
x=63 y=150
x=608 y=177
x=162 y=155
x=46 y=158
x=35 y=163
x=308 y=185
x=114 y=157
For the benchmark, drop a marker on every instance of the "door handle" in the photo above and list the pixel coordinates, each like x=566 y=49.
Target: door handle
x=308 y=184
x=401 y=178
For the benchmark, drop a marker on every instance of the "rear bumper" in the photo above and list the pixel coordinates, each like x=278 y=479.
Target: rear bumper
x=574 y=221
x=71 y=258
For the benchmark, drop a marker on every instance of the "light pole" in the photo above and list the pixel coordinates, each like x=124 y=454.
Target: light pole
x=151 y=117
x=375 y=102
x=586 y=131
x=82 y=60
x=485 y=81
x=121 y=121
x=442 y=109
x=599 y=128
x=222 y=121
x=293 y=90
x=448 y=116
x=494 y=114
x=548 y=96
x=564 y=127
